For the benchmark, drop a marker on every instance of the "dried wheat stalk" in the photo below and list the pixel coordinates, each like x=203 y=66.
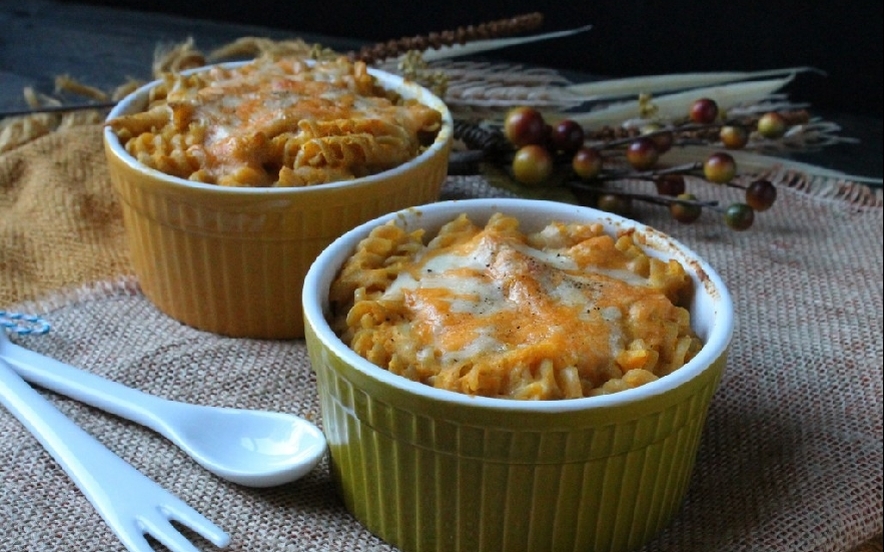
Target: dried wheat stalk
x=436 y=40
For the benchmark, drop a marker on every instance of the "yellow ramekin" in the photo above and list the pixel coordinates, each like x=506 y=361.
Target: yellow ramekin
x=232 y=260
x=429 y=470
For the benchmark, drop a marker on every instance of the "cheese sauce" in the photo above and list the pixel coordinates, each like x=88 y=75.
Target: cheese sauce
x=488 y=297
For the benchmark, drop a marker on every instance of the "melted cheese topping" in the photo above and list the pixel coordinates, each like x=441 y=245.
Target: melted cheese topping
x=490 y=313
x=490 y=297
x=282 y=122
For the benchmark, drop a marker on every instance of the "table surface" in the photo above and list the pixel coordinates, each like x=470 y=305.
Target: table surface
x=103 y=46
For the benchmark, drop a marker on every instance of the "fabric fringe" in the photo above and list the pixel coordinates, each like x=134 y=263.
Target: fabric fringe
x=125 y=286
x=852 y=193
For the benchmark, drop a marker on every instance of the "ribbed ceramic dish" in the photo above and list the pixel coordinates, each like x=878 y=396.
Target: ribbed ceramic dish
x=436 y=471
x=232 y=260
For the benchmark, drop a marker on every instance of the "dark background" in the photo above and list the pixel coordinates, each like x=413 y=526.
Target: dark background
x=629 y=37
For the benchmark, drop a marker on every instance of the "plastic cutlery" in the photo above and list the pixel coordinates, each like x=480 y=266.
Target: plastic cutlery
x=256 y=448
x=131 y=504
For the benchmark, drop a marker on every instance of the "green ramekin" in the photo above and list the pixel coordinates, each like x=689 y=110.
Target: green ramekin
x=429 y=470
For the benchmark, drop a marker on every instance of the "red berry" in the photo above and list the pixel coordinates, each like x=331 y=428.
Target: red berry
x=670 y=184
x=720 y=168
x=662 y=137
x=587 y=163
x=704 y=111
x=524 y=125
x=761 y=194
x=642 y=153
x=532 y=164
x=566 y=136
x=613 y=203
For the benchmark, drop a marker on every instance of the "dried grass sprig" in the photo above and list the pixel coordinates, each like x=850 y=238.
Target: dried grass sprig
x=475 y=89
x=499 y=72
x=813 y=135
x=490 y=99
x=480 y=46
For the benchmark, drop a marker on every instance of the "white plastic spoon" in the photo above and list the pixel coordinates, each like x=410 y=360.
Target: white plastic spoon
x=255 y=448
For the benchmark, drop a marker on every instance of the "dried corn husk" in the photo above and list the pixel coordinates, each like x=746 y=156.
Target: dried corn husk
x=752 y=163
x=487 y=90
x=654 y=84
x=480 y=46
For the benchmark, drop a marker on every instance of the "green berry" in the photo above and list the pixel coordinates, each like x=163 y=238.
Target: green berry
x=772 y=125
x=683 y=212
x=739 y=216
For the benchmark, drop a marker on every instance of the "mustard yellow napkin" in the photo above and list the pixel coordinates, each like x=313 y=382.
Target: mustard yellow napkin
x=60 y=224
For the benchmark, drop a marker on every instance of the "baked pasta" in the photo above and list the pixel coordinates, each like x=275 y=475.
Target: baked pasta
x=276 y=122
x=566 y=312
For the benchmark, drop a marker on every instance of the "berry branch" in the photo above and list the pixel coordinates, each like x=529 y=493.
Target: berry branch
x=535 y=154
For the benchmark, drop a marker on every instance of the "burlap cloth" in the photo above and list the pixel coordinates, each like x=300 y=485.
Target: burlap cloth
x=791 y=458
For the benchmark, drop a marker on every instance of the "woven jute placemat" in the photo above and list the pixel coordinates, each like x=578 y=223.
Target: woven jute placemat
x=791 y=458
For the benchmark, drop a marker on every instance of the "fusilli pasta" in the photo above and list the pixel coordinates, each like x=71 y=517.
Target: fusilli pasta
x=565 y=312
x=276 y=122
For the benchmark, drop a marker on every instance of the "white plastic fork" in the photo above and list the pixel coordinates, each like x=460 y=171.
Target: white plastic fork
x=132 y=504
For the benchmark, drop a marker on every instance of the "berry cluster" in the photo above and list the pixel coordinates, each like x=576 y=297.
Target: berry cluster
x=544 y=153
